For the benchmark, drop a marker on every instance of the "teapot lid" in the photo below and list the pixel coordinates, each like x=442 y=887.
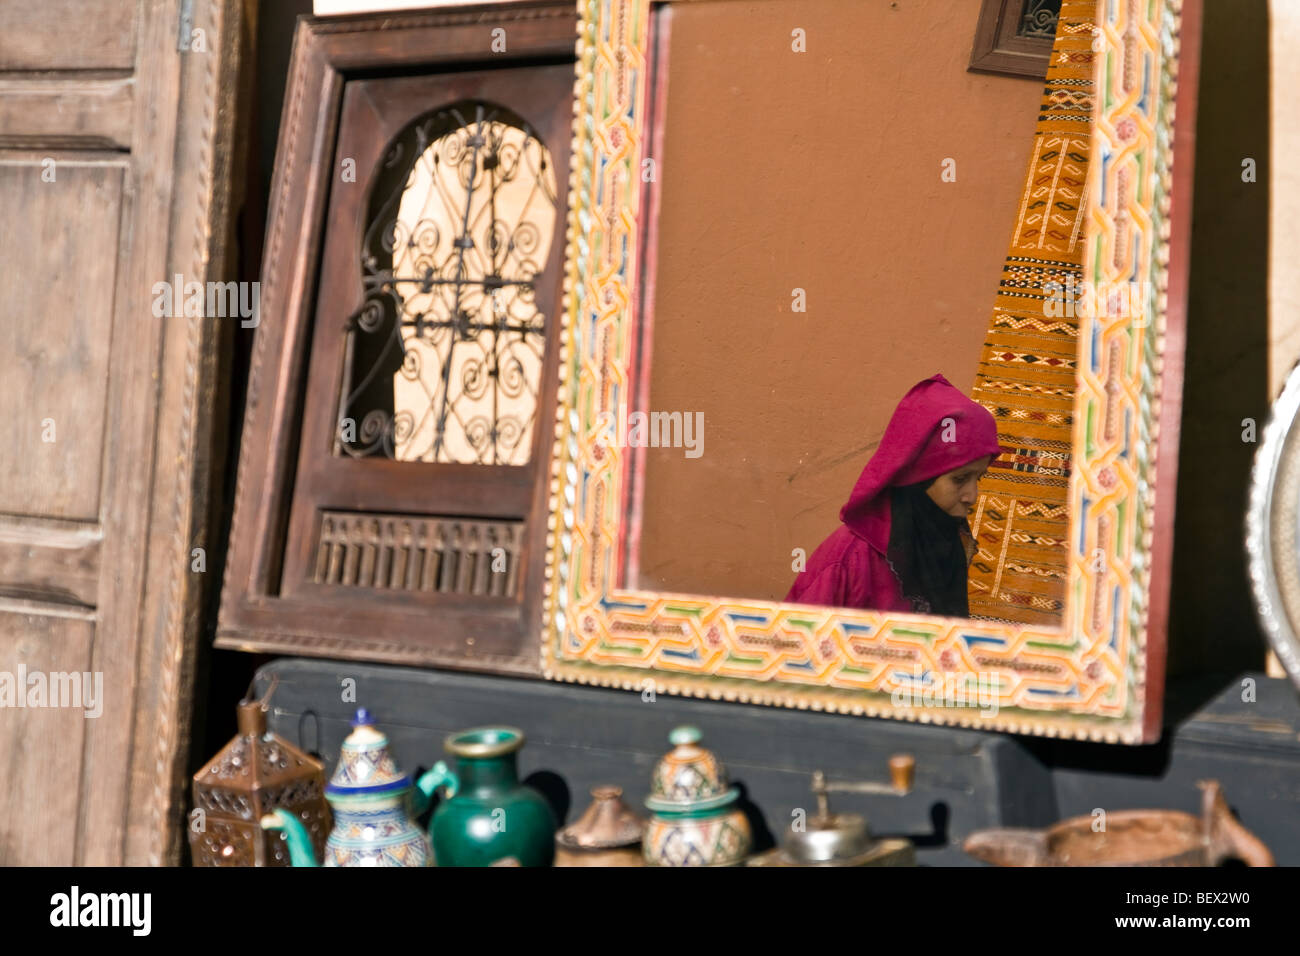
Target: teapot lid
x=365 y=766
x=689 y=777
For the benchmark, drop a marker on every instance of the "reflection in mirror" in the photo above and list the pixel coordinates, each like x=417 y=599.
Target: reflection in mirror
x=904 y=542
x=832 y=231
x=1038 y=19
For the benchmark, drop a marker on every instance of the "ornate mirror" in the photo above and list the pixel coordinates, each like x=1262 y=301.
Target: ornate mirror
x=783 y=240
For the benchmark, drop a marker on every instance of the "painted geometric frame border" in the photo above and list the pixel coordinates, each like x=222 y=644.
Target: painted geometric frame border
x=1111 y=645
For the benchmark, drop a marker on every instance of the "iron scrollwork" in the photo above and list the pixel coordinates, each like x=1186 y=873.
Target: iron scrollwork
x=1038 y=20
x=444 y=357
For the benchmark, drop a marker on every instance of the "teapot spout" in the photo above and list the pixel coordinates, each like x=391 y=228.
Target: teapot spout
x=300 y=851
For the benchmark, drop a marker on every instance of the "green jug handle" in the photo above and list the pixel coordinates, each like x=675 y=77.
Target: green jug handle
x=431 y=780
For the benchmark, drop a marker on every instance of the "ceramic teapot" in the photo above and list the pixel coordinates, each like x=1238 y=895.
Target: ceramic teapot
x=374 y=808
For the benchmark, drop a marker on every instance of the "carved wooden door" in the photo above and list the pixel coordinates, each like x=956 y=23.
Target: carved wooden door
x=112 y=115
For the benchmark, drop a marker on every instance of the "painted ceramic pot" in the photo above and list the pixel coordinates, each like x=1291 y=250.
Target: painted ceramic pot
x=694 y=818
x=689 y=777
x=487 y=814
x=709 y=839
x=373 y=809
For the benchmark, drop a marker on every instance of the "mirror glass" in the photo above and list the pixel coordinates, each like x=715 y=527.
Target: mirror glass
x=832 y=230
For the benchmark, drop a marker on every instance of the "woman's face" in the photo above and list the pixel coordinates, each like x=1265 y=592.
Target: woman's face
x=955 y=491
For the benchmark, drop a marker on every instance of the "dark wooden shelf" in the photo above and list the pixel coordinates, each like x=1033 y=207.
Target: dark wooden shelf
x=578 y=737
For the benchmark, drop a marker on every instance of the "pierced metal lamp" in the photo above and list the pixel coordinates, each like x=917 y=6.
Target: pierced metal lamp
x=256 y=772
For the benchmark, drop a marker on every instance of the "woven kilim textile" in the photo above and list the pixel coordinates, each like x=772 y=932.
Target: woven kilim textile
x=1026 y=373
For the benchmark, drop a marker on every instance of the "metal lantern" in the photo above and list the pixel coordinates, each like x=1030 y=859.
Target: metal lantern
x=255 y=773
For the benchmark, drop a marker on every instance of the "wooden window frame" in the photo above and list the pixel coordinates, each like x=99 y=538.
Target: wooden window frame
x=999 y=50
x=370 y=624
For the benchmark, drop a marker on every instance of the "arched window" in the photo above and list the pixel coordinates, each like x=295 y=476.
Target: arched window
x=445 y=356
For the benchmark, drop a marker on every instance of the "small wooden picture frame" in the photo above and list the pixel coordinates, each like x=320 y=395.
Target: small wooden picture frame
x=1014 y=37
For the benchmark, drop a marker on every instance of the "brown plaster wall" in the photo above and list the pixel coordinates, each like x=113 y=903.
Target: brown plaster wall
x=821 y=171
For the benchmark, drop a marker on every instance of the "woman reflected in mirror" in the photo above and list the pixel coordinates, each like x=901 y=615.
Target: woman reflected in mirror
x=905 y=542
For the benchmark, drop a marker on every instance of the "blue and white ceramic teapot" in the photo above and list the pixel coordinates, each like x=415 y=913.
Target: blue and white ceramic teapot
x=373 y=808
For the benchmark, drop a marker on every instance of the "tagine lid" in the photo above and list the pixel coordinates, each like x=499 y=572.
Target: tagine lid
x=365 y=765
x=607 y=824
x=689 y=777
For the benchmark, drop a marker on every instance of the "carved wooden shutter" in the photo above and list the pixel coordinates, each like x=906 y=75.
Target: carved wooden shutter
x=393 y=492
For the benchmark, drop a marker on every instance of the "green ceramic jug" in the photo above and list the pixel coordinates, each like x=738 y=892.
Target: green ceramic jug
x=486 y=814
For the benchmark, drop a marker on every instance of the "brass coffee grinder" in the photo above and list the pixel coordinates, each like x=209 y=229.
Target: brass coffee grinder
x=844 y=839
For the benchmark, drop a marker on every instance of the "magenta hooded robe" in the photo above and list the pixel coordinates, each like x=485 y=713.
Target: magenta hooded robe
x=851 y=568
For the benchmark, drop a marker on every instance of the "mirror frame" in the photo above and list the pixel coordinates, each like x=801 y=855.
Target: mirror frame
x=1121 y=506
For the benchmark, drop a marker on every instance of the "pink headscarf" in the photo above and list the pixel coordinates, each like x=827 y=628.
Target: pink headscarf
x=913 y=449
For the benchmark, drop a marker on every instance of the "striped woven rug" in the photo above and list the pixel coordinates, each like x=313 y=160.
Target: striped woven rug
x=1026 y=374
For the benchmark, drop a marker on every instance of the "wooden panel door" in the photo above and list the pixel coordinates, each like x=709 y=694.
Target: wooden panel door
x=113 y=178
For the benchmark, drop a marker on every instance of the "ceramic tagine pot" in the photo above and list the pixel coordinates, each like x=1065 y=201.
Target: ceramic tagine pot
x=373 y=809
x=487 y=815
x=694 y=817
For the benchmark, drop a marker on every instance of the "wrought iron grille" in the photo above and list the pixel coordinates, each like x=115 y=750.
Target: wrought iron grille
x=1039 y=19
x=444 y=358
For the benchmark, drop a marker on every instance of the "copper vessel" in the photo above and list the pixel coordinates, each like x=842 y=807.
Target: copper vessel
x=1131 y=838
x=607 y=834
